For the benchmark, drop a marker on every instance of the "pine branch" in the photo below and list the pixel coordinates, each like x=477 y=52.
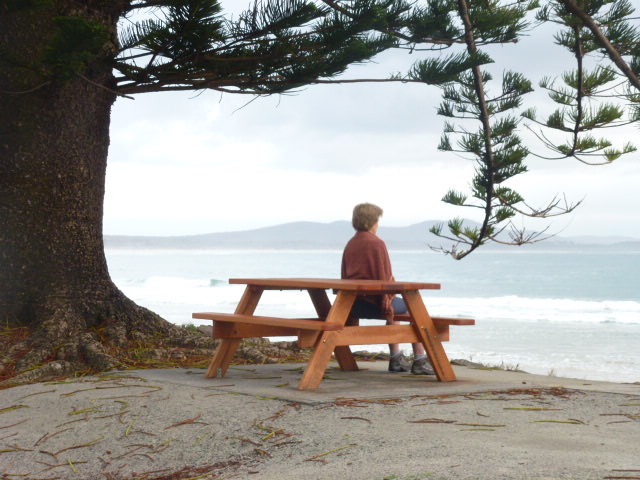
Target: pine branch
x=579 y=54
x=488 y=159
x=613 y=53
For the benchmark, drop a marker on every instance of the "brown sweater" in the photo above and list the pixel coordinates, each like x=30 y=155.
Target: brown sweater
x=366 y=258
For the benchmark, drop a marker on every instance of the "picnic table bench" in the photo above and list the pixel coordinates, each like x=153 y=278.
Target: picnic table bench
x=334 y=330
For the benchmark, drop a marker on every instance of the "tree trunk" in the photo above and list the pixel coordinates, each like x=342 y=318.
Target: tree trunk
x=54 y=137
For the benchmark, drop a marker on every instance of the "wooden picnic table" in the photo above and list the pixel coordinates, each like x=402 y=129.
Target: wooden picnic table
x=331 y=332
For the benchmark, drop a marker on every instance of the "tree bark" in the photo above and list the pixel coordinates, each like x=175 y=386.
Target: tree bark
x=54 y=138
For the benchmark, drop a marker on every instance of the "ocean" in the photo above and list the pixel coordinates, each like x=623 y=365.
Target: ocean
x=568 y=314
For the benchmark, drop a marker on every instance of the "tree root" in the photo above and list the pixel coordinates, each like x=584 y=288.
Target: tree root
x=90 y=337
x=58 y=348
x=76 y=339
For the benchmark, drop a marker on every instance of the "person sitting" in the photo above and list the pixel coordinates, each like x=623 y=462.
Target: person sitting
x=365 y=257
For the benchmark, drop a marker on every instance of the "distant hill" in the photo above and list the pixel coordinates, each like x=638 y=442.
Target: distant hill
x=334 y=235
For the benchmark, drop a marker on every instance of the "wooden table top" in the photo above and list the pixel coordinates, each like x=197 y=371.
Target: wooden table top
x=368 y=286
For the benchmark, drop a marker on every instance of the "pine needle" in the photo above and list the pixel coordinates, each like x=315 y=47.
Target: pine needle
x=186 y=422
x=262 y=452
x=37 y=393
x=356 y=418
x=13 y=407
x=47 y=436
x=86 y=410
x=83 y=445
x=272 y=434
x=247 y=440
x=571 y=421
x=14 y=424
x=432 y=420
x=533 y=409
x=320 y=455
x=480 y=425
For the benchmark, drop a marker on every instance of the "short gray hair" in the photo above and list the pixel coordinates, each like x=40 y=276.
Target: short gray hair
x=365 y=216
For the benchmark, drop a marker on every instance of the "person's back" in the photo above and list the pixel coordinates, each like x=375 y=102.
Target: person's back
x=366 y=257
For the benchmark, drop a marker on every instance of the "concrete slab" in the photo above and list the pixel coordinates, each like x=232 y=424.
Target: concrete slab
x=280 y=381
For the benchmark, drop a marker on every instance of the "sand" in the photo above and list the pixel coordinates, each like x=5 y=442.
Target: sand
x=254 y=423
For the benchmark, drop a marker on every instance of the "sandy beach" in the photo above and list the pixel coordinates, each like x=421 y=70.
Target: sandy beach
x=254 y=423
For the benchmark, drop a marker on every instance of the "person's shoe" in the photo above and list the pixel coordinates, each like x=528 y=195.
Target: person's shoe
x=422 y=367
x=399 y=364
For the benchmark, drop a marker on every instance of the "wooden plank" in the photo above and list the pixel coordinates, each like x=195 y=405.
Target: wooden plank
x=453 y=321
x=226 y=350
x=427 y=332
x=438 y=320
x=441 y=323
x=345 y=358
x=318 y=362
x=321 y=303
x=443 y=332
x=364 y=286
x=325 y=345
x=221 y=359
x=308 y=338
x=243 y=330
x=249 y=301
x=341 y=308
x=376 y=335
x=300 y=323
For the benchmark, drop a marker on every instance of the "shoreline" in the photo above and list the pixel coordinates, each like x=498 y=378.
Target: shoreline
x=254 y=423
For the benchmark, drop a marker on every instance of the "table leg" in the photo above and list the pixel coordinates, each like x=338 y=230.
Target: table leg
x=221 y=359
x=345 y=358
x=320 y=301
x=343 y=354
x=338 y=314
x=318 y=363
x=426 y=331
x=226 y=350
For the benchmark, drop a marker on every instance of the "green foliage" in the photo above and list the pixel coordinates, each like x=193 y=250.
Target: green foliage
x=590 y=82
x=434 y=21
x=495 y=146
x=439 y=71
x=498 y=20
x=76 y=43
x=454 y=198
x=274 y=46
x=589 y=99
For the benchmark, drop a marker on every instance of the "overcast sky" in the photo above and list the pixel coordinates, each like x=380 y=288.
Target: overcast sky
x=189 y=163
